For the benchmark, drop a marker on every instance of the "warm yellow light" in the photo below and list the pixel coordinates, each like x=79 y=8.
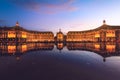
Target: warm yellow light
x=110 y=35
x=110 y=48
x=11 y=49
x=11 y=34
x=24 y=48
x=97 y=46
x=60 y=45
x=97 y=35
x=24 y=35
x=60 y=36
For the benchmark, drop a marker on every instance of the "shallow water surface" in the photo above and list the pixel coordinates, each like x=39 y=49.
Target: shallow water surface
x=71 y=61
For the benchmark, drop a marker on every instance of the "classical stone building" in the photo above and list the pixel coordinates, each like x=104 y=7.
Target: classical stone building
x=103 y=33
x=59 y=36
x=19 y=34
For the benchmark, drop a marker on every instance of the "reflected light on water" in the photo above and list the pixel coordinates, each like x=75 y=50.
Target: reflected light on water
x=97 y=46
x=102 y=49
x=110 y=48
x=11 y=49
x=24 y=48
x=75 y=60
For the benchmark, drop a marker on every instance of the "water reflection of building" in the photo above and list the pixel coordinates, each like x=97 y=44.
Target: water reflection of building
x=103 y=33
x=60 y=46
x=100 y=47
x=20 y=49
x=40 y=46
x=104 y=49
x=19 y=34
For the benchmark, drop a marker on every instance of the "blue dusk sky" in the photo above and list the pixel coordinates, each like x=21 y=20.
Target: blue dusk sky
x=52 y=15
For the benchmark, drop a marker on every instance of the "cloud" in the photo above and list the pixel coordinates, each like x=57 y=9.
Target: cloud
x=46 y=6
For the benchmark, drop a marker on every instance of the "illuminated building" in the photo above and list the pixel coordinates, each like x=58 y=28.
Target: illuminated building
x=103 y=33
x=60 y=36
x=19 y=34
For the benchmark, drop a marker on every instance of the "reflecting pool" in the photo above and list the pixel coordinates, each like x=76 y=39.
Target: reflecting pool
x=60 y=61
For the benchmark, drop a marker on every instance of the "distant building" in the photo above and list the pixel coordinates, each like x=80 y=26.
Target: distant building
x=60 y=36
x=103 y=33
x=19 y=34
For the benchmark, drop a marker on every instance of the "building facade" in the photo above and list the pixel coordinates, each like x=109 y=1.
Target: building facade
x=19 y=34
x=103 y=33
x=59 y=36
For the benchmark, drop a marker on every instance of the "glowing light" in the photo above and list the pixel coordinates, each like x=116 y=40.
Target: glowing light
x=110 y=34
x=60 y=45
x=110 y=48
x=24 y=35
x=60 y=36
x=97 y=46
x=11 y=49
x=11 y=34
x=97 y=35
x=24 y=48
